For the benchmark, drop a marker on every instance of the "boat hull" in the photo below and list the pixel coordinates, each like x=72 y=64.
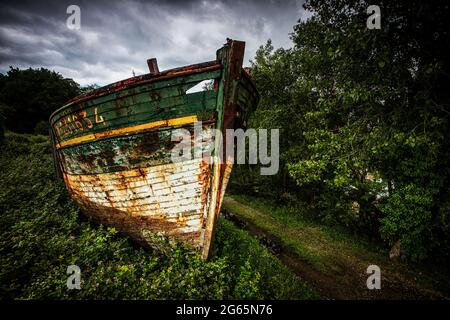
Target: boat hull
x=169 y=199
x=114 y=149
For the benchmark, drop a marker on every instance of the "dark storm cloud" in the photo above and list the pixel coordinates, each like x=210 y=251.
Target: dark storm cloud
x=117 y=37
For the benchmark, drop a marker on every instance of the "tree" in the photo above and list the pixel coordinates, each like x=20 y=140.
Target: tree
x=2 y=130
x=365 y=117
x=29 y=96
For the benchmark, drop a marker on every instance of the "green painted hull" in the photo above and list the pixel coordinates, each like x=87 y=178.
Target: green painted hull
x=113 y=149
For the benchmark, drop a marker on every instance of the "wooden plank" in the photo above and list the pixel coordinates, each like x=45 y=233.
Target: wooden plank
x=135 y=128
x=129 y=151
x=115 y=149
x=232 y=56
x=163 y=88
x=160 y=196
x=81 y=124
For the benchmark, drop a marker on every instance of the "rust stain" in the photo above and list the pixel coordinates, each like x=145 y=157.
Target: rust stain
x=149 y=78
x=119 y=172
x=169 y=199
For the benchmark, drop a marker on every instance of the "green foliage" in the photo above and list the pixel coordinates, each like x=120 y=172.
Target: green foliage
x=257 y=274
x=332 y=249
x=42 y=233
x=29 y=96
x=2 y=129
x=42 y=128
x=364 y=120
x=413 y=230
x=247 y=283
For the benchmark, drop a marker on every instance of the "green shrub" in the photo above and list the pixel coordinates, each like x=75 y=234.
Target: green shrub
x=42 y=233
x=409 y=218
x=41 y=128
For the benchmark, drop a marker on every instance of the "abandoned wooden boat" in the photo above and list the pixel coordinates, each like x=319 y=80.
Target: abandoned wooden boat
x=112 y=148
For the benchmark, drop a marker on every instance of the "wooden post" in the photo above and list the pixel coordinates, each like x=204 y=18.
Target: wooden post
x=153 y=66
x=231 y=57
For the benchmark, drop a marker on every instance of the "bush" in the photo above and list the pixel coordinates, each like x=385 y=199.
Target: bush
x=2 y=130
x=409 y=218
x=42 y=233
x=42 y=128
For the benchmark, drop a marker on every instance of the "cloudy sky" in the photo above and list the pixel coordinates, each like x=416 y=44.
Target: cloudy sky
x=116 y=37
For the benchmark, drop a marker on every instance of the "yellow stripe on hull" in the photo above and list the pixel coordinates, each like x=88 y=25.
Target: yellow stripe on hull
x=139 y=127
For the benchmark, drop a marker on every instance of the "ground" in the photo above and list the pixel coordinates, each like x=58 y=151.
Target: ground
x=332 y=262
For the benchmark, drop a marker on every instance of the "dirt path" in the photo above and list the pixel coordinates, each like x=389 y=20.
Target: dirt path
x=349 y=279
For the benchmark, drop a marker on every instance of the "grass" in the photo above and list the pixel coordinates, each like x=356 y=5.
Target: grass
x=329 y=249
x=42 y=232
x=316 y=243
